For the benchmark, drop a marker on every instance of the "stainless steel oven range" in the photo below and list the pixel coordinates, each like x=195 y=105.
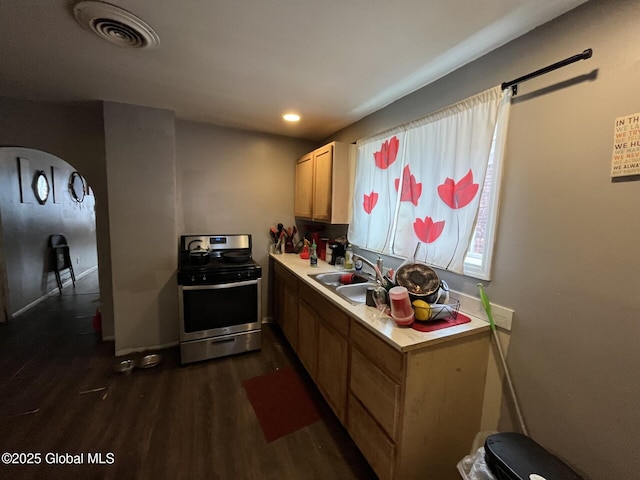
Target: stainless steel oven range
x=219 y=287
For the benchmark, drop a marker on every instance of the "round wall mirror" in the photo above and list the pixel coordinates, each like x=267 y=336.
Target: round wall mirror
x=41 y=186
x=77 y=187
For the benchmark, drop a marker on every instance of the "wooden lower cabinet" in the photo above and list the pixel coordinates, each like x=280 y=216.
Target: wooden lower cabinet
x=286 y=308
x=425 y=403
x=372 y=441
x=412 y=414
x=324 y=347
x=308 y=338
x=378 y=392
x=333 y=364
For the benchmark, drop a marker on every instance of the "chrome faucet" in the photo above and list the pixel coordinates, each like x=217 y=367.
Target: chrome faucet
x=378 y=271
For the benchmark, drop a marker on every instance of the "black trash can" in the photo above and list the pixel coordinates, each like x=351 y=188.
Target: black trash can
x=514 y=456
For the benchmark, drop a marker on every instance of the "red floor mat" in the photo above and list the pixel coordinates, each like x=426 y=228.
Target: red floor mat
x=281 y=403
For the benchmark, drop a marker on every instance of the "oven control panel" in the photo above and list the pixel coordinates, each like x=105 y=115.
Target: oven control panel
x=215 y=242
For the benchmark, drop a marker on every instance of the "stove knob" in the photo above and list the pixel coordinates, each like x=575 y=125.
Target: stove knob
x=204 y=278
x=193 y=278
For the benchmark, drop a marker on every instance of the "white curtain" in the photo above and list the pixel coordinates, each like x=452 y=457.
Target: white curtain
x=422 y=181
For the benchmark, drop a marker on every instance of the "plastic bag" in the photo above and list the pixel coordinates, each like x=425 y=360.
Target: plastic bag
x=474 y=467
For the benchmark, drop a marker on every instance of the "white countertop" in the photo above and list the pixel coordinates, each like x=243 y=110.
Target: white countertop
x=401 y=338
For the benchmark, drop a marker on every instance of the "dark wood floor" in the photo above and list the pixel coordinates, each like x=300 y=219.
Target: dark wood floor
x=60 y=395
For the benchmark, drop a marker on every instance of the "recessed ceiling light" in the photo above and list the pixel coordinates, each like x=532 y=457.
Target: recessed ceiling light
x=291 y=117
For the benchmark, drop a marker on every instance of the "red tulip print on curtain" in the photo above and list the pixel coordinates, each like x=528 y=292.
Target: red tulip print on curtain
x=458 y=195
x=370 y=202
x=427 y=230
x=387 y=153
x=411 y=190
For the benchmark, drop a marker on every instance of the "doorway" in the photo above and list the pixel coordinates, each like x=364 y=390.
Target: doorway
x=41 y=195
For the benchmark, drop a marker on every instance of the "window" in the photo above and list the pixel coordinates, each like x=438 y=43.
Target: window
x=420 y=184
x=478 y=260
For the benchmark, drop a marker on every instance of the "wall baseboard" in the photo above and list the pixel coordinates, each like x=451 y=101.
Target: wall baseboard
x=129 y=351
x=51 y=293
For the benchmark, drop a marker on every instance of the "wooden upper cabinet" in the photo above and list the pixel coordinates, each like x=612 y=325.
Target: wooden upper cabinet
x=324 y=183
x=322 y=169
x=304 y=187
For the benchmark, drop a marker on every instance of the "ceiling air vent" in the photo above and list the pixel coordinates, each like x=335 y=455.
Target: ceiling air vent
x=115 y=25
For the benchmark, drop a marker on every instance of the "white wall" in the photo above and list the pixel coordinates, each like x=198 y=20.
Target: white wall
x=140 y=157
x=567 y=254
x=236 y=181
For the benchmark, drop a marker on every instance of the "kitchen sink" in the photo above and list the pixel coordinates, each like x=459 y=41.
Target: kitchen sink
x=355 y=293
x=333 y=278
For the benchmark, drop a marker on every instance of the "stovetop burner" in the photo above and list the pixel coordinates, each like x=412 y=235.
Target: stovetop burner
x=214 y=259
x=214 y=264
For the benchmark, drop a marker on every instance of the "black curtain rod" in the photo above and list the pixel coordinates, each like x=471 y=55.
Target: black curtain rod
x=514 y=83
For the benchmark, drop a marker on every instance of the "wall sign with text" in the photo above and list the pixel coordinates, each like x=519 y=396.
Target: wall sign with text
x=626 y=146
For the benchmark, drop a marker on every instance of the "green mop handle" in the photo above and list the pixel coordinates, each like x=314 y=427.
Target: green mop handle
x=487 y=308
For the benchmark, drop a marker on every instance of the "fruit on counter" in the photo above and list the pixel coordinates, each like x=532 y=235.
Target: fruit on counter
x=422 y=310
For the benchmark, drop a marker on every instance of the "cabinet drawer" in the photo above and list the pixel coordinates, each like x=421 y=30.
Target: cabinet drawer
x=388 y=359
x=377 y=448
x=379 y=394
x=332 y=315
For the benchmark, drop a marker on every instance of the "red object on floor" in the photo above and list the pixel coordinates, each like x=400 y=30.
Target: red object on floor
x=97 y=321
x=281 y=403
x=439 y=324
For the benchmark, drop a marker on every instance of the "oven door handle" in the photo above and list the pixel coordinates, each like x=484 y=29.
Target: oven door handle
x=220 y=285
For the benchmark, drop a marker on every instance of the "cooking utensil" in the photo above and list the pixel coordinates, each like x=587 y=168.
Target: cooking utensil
x=419 y=279
x=236 y=257
x=192 y=242
x=198 y=255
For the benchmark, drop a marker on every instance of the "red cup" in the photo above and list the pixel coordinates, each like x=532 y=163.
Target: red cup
x=403 y=321
x=347 y=278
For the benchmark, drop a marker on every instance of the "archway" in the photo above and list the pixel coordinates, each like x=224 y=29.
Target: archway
x=41 y=195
